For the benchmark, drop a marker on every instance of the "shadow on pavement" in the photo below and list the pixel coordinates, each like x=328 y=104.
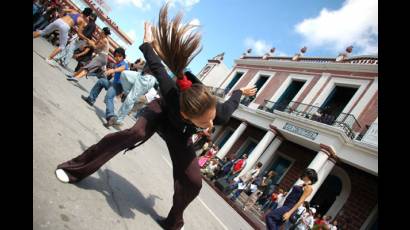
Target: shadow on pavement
x=83 y=146
x=120 y=194
x=81 y=87
x=99 y=112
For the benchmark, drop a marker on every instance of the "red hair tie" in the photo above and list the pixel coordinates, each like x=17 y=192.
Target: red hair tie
x=184 y=83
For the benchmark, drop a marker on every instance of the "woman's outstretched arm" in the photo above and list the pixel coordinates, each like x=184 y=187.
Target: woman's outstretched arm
x=166 y=84
x=225 y=110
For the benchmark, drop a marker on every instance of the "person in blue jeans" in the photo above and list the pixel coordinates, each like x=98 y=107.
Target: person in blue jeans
x=113 y=88
x=134 y=84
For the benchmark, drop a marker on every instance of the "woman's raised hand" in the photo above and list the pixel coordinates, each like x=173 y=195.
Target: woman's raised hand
x=147 y=32
x=248 y=91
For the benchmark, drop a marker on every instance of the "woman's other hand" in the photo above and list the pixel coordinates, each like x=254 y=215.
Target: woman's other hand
x=248 y=91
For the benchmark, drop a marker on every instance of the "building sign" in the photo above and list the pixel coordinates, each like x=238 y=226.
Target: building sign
x=104 y=17
x=301 y=131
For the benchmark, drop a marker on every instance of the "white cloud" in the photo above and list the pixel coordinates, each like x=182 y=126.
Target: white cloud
x=195 y=22
x=187 y=4
x=355 y=23
x=259 y=47
x=141 y=4
x=281 y=54
x=132 y=34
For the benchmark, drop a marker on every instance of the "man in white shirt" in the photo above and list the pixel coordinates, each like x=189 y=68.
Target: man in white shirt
x=209 y=171
x=281 y=199
x=242 y=182
x=307 y=220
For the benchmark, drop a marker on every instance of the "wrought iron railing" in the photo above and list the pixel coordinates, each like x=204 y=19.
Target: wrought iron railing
x=346 y=121
x=363 y=132
x=219 y=92
x=247 y=100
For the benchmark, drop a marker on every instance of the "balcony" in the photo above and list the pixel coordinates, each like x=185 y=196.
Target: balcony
x=219 y=92
x=247 y=100
x=346 y=121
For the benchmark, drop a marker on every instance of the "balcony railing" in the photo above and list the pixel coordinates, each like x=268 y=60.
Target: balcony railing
x=219 y=92
x=247 y=100
x=346 y=121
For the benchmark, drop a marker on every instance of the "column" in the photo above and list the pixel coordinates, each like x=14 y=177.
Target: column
x=218 y=129
x=317 y=163
x=269 y=153
x=229 y=143
x=322 y=174
x=258 y=150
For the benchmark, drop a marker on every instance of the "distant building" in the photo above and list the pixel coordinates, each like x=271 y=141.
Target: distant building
x=215 y=71
x=314 y=112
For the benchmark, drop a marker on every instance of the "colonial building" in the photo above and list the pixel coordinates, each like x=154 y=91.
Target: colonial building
x=311 y=112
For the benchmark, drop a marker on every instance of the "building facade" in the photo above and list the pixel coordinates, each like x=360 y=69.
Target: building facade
x=308 y=112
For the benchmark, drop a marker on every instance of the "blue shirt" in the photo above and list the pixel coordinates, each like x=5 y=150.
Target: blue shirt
x=118 y=74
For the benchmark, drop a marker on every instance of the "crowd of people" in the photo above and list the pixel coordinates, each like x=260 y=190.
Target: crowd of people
x=263 y=194
x=133 y=85
x=172 y=102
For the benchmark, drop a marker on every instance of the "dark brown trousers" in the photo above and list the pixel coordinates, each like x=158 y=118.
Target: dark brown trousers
x=186 y=172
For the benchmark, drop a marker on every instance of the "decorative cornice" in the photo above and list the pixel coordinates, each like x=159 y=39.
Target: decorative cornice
x=244 y=121
x=275 y=130
x=330 y=151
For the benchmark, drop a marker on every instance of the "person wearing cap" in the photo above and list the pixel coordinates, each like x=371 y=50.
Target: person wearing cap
x=101 y=48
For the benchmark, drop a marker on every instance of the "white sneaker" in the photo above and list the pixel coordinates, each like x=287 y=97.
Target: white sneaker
x=51 y=62
x=62 y=176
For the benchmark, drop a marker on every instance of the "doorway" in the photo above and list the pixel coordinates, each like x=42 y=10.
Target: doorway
x=288 y=95
x=327 y=194
x=234 y=80
x=335 y=103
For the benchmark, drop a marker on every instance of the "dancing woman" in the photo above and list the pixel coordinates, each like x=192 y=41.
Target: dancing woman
x=294 y=200
x=182 y=111
x=101 y=48
x=63 y=25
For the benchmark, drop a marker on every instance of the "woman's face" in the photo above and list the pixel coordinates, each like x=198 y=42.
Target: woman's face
x=205 y=120
x=306 y=180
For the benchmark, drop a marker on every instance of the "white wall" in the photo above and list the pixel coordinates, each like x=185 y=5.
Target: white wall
x=349 y=151
x=216 y=75
x=229 y=79
x=319 y=84
x=288 y=81
x=366 y=98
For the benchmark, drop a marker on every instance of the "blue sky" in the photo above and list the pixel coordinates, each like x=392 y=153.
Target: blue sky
x=326 y=27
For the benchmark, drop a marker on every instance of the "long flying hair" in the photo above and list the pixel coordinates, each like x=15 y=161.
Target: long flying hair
x=176 y=44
